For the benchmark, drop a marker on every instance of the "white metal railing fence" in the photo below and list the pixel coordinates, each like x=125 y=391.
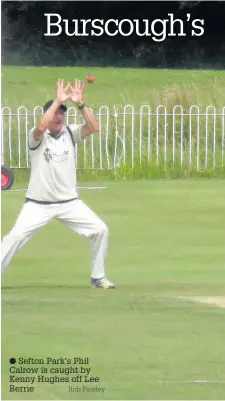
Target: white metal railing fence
x=129 y=136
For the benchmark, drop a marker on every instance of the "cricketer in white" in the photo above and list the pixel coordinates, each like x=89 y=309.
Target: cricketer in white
x=52 y=190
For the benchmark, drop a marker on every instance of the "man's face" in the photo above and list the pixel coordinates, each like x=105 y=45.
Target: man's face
x=55 y=125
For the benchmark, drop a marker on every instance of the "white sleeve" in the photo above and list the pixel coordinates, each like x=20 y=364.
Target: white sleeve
x=33 y=144
x=76 y=131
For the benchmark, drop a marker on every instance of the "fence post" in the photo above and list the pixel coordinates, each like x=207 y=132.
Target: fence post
x=115 y=115
x=157 y=130
x=214 y=136
x=141 y=131
x=104 y=111
x=223 y=136
x=125 y=113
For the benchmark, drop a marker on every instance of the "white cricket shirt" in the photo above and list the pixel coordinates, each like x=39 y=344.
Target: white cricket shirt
x=53 y=166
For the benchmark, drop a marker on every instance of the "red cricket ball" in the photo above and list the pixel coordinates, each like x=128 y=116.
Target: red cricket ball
x=90 y=78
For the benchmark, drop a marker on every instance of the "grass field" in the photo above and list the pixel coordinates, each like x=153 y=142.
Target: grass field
x=166 y=241
x=31 y=86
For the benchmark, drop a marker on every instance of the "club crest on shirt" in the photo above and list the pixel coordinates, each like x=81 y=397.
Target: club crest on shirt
x=57 y=158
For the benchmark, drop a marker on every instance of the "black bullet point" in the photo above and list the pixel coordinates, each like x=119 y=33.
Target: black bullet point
x=12 y=361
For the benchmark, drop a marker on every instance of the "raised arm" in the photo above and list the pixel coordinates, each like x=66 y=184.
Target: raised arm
x=61 y=96
x=91 y=125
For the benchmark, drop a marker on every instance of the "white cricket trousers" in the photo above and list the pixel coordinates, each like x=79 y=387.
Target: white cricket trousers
x=74 y=214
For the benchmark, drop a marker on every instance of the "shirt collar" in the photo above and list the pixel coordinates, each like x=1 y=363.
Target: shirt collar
x=57 y=136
